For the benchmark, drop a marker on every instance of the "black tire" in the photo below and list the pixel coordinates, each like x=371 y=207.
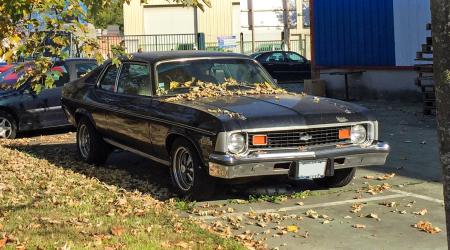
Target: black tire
x=8 y=126
x=341 y=178
x=201 y=186
x=92 y=149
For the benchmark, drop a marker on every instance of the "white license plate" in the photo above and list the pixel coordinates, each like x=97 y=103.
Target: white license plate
x=311 y=169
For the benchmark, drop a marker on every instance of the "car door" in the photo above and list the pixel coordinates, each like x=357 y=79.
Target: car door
x=45 y=107
x=299 y=68
x=131 y=104
x=275 y=63
x=102 y=100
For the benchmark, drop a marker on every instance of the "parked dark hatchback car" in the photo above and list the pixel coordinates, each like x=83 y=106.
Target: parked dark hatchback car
x=158 y=105
x=21 y=109
x=285 y=66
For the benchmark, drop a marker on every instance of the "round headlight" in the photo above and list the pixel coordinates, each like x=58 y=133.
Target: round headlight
x=236 y=143
x=358 y=134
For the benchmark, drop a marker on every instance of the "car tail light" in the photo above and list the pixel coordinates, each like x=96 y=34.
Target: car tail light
x=259 y=140
x=344 y=133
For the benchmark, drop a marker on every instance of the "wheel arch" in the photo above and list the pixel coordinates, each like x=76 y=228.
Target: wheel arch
x=11 y=112
x=174 y=135
x=81 y=112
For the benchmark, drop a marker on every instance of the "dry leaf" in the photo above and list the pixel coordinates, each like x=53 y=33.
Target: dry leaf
x=326 y=222
x=427 y=227
x=421 y=212
x=356 y=207
x=3 y=242
x=378 y=188
x=369 y=177
x=347 y=217
x=292 y=229
x=117 y=230
x=372 y=215
x=312 y=214
x=386 y=177
x=359 y=226
x=182 y=244
x=300 y=203
x=389 y=204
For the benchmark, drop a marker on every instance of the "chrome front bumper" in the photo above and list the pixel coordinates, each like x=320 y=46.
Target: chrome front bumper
x=265 y=163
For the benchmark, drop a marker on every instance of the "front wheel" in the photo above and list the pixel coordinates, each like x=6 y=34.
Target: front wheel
x=90 y=144
x=341 y=178
x=190 y=179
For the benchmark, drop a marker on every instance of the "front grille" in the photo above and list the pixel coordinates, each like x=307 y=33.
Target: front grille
x=300 y=138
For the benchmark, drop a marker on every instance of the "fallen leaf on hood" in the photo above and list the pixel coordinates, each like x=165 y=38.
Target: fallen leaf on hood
x=421 y=212
x=359 y=226
x=427 y=227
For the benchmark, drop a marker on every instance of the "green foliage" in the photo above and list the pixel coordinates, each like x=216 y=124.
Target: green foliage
x=45 y=29
x=111 y=15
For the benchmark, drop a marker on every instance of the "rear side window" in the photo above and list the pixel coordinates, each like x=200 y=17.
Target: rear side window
x=294 y=57
x=84 y=68
x=274 y=57
x=60 y=75
x=134 y=79
x=108 y=81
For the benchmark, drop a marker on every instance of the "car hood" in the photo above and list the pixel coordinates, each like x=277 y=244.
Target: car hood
x=269 y=111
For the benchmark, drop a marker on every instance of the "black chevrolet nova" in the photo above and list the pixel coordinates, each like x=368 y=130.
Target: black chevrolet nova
x=218 y=115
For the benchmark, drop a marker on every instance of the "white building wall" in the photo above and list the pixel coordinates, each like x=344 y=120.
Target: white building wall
x=410 y=19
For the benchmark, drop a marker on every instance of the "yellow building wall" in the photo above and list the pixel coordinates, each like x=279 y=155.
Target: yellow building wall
x=217 y=20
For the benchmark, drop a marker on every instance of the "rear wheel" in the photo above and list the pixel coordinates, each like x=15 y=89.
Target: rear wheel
x=190 y=179
x=90 y=144
x=341 y=178
x=8 y=127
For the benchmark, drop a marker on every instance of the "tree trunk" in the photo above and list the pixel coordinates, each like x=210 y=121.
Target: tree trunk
x=440 y=12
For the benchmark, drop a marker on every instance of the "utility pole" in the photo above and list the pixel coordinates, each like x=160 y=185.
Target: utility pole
x=250 y=22
x=440 y=15
x=286 y=23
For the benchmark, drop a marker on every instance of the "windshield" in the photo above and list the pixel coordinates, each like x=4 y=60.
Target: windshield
x=178 y=77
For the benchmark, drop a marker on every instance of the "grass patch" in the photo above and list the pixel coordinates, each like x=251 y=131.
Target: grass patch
x=45 y=206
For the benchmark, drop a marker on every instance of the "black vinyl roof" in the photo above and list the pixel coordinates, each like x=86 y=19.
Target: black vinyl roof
x=169 y=55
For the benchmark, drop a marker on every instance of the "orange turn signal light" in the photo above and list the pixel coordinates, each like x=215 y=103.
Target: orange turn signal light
x=344 y=133
x=259 y=140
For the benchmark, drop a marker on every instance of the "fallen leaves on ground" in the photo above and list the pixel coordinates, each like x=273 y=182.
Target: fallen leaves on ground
x=359 y=226
x=376 y=189
x=426 y=226
x=374 y=216
x=46 y=189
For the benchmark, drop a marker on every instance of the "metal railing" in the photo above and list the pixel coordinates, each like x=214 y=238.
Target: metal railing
x=299 y=46
x=147 y=43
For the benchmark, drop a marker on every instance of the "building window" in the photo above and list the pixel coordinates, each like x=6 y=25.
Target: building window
x=305 y=14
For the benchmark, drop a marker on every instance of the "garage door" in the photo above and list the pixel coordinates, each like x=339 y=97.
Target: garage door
x=169 y=20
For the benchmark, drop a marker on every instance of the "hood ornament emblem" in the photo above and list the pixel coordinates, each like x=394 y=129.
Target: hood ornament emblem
x=341 y=119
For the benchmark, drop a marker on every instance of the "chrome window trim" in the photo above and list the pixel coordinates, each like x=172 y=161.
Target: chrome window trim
x=221 y=142
x=155 y=66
